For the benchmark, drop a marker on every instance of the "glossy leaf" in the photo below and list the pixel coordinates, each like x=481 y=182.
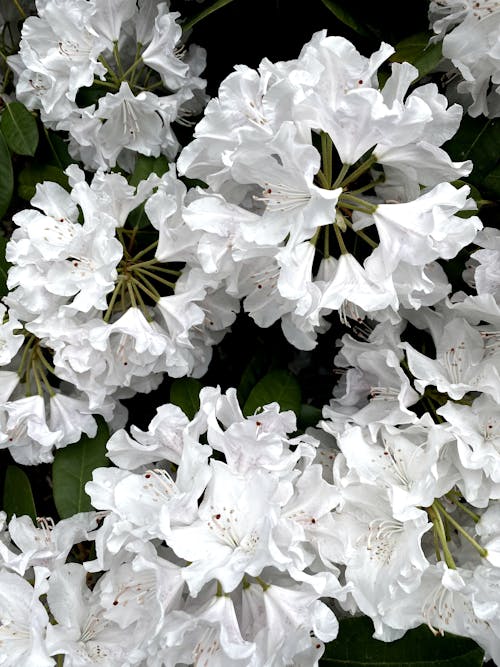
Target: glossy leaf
x=277 y=386
x=4 y=267
x=309 y=416
x=185 y=392
x=20 y=129
x=33 y=174
x=253 y=372
x=347 y=18
x=203 y=14
x=17 y=494
x=355 y=647
x=145 y=165
x=417 y=51
x=6 y=176
x=72 y=469
x=478 y=139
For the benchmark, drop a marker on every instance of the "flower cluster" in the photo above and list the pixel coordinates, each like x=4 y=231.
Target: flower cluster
x=310 y=194
x=127 y=52
x=92 y=308
x=220 y=551
x=470 y=31
x=307 y=158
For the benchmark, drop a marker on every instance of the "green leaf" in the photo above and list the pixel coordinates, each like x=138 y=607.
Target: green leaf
x=59 y=149
x=17 y=494
x=491 y=182
x=206 y=12
x=478 y=139
x=185 y=392
x=345 y=17
x=253 y=372
x=72 y=469
x=6 y=176
x=309 y=416
x=19 y=129
x=30 y=176
x=4 y=267
x=280 y=386
x=145 y=165
x=355 y=647
x=417 y=51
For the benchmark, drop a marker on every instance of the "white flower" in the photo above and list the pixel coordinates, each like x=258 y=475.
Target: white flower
x=233 y=533
x=422 y=230
x=24 y=622
x=58 y=55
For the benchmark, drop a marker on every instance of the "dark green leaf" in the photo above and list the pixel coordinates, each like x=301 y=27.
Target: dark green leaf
x=6 y=176
x=72 y=469
x=417 y=51
x=145 y=165
x=308 y=416
x=206 y=12
x=17 y=494
x=347 y=18
x=87 y=96
x=59 y=149
x=19 y=129
x=478 y=139
x=280 y=386
x=254 y=371
x=355 y=647
x=33 y=174
x=4 y=267
x=491 y=182
x=185 y=392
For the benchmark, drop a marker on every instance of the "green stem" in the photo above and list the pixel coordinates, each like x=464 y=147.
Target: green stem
x=131 y=295
x=140 y=254
x=105 y=84
x=161 y=269
x=112 y=301
x=451 y=495
x=482 y=551
x=50 y=390
x=109 y=69
x=116 y=56
x=34 y=373
x=153 y=86
x=323 y=181
x=437 y=550
x=326 y=242
x=343 y=171
x=340 y=240
x=123 y=295
x=439 y=527
x=19 y=8
x=364 y=166
x=144 y=252
x=31 y=340
x=362 y=235
x=326 y=154
x=314 y=239
x=152 y=295
x=44 y=361
x=137 y=60
x=357 y=201
x=262 y=583
x=159 y=279
x=368 y=186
